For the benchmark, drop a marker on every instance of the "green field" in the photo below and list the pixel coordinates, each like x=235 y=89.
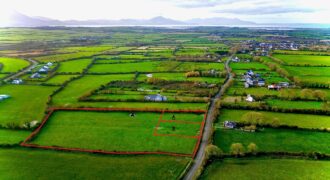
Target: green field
x=59 y=79
x=74 y=66
x=115 y=131
x=264 y=168
x=12 y=64
x=27 y=103
x=304 y=59
x=300 y=120
x=274 y=140
x=40 y=164
x=284 y=104
x=250 y=65
x=8 y=136
x=180 y=77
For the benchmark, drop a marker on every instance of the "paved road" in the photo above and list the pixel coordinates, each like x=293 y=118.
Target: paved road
x=207 y=129
x=16 y=75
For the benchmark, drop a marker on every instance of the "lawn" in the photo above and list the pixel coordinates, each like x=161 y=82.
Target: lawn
x=304 y=59
x=300 y=120
x=266 y=168
x=114 y=131
x=41 y=164
x=8 y=136
x=12 y=64
x=74 y=66
x=272 y=140
x=27 y=103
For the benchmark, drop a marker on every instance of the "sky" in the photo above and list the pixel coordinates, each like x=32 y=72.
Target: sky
x=260 y=11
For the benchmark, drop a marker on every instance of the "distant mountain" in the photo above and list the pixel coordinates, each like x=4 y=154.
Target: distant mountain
x=20 y=20
x=218 y=21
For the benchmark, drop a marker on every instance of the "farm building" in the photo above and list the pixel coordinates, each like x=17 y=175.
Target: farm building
x=249 y=98
x=229 y=124
x=35 y=76
x=156 y=97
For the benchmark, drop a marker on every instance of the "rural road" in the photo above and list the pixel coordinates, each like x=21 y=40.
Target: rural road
x=207 y=129
x=16 y=75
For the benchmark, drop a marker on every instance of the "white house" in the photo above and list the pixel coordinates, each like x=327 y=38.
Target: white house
x=149 y=75
x=17 y=81
x=249 y=98
x=49 y=64
x=35 y=76
x=156 y=97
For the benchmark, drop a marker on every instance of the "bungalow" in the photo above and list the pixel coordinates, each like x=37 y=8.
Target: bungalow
x=4 y=96
x=250 y=73
x=35 y=76
x=49 y=64
x=236 y=59
x=274 y=87
x=43 y=70
x=284 y=84
x=149 y=75
x=229 y=124
x=17 y=81
x=261 y=82
x=249 y=98
x=156 y=97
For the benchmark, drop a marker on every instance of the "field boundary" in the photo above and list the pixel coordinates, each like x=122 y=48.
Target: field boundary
x=52 y=110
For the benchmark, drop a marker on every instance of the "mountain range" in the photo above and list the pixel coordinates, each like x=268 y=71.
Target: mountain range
x=21 y=20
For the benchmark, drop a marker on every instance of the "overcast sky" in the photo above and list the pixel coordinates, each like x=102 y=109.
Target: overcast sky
x=261 y=11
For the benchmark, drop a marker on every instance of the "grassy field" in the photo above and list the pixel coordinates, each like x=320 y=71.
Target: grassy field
x=180 y=77
x=247 y=66
x=12 y=64
x=27 y=103
x=294 y=104
x=300 y=120
x=115 y=131
x=75 y=66
x=304 y=59
x=59 y=79
x=271 y=140
x=264 y=168
x=145 y=66
x=8 y=136
x=308 y=71
x=40 y=164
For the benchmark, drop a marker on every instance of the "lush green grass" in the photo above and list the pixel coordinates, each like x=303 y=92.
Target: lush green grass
x=66 y=56
x=264 y=168
x=27 y=103
x=8 y=136
x=271 y=140
x=41 y=164
x=300 y=52
x=145 y=66
x=250 y=65
x=60 y=79
x=79 y=87
x=294 y=104
x=114 y=131
x=300 y=120
x=74 y=65
x=304 y=59
x=12 y=64
x=308 y=71
x=181 y=77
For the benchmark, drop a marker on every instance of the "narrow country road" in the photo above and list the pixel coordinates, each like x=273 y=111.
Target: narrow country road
x=16 y=75
x=207 y=129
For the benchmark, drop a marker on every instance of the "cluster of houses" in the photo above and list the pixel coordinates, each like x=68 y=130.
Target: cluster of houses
x=43 y=70
x=236 y=60
x=4 y=96
x=155 y=97
x=252 y=79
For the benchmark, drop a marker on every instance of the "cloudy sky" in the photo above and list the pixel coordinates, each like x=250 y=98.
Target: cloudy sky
x=260 y=11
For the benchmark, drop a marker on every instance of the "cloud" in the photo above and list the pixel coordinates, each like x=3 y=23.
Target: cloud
x=265 y=10
x=200 y=3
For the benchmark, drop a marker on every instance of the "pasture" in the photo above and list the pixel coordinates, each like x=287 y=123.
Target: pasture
x=12 y=64
x=117 y=131
x=22 y=164
x=302 y=60
x=263 y=168
x=27 y=103
x=300 y=120
x=59 y=79
x=275 y=140
x=73 y=66
x=9 y=137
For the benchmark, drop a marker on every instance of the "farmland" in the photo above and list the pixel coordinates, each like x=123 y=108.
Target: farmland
x=155 y=103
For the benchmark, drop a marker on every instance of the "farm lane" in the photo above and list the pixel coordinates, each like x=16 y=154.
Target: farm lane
x=16 y=75
x=208 y=127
